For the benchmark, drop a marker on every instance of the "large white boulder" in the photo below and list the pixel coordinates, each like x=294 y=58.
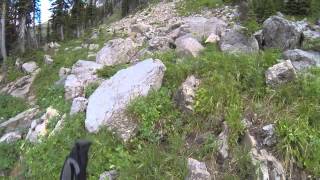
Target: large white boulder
x=117 y=51
x=108 y=103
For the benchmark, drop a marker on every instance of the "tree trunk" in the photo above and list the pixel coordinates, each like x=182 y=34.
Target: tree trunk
x=78 y=31
x=22 y=34
x=61 y=33
x=3 y=43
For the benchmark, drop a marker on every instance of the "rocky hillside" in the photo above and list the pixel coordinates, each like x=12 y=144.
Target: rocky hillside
x=166 y=96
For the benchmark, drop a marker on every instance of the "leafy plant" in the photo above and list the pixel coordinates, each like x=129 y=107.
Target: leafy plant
x=11 y=106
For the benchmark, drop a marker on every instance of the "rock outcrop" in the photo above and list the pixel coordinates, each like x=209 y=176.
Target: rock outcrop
x=107 y=104
x=280 y=73
x=10 y=137
x=109 y=175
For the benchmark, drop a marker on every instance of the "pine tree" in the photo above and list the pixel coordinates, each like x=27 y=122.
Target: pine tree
x=59 y=16
x=78 y=16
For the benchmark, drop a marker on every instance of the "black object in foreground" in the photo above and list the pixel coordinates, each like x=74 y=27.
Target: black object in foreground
x=75 y=165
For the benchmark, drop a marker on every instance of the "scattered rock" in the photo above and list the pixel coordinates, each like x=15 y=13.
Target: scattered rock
x=10 y=137
x=140 y=28
x=197 y=170
x=79 y=104
x=47 y=59
x=213 y=38
x=20 y=122
x=281 y=33
x=21 y=87
x=109 y=175
x=39 y=127
x=185 y=96
x=29 y=67
x=64 y=72
x=311 y=40
x=107 y=104
x=235 y=41
x=259 y=37
x=117 y=51
x=302 y=59
x=280 y=73
x=53 y=45
x=188 y=46
x=223 y=142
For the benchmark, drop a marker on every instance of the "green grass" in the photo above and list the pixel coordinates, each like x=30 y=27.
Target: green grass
x=9 y=154
x=10 y=106
x=188 y=7
x=109 y=71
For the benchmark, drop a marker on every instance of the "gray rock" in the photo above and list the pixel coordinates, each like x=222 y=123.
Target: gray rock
x=259 y=37
x=302 y=59
x=82 y=74
x=109 y=175
x=140 y=28
x=213 y=38
x=188 y=46
x=280 y=73
x=47 y=59
x=10 y=137
x=201 y=27
x=64 y=72
x=311 y=39
x=21 y=87
x=185 y=96
x=18 y=64
x=29 y=67
x=160 y=43
x=197 y=170
x=270 y=138
x=54 y=45
x=73 y=87
x=223 y=148
x=108 y=103
x=38 y=127
x=281 y=33
x=235 y=41
x=21 y=121
x=117 y=51
x=79 y=104
x=77 y=48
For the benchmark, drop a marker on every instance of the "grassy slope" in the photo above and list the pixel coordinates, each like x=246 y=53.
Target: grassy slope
x=232 y=88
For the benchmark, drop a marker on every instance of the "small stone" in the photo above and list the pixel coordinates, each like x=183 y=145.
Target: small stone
x=48 y=59
x=109 y=175
x=93 y=47
x=187 y=45
x=197 y=170
x=29 y=67
x=213 y=38
x=79 y=104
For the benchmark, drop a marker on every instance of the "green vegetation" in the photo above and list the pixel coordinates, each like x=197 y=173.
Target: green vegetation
x=109 y=71
x=10 y=106
x=9 y=154
x=188 y=7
